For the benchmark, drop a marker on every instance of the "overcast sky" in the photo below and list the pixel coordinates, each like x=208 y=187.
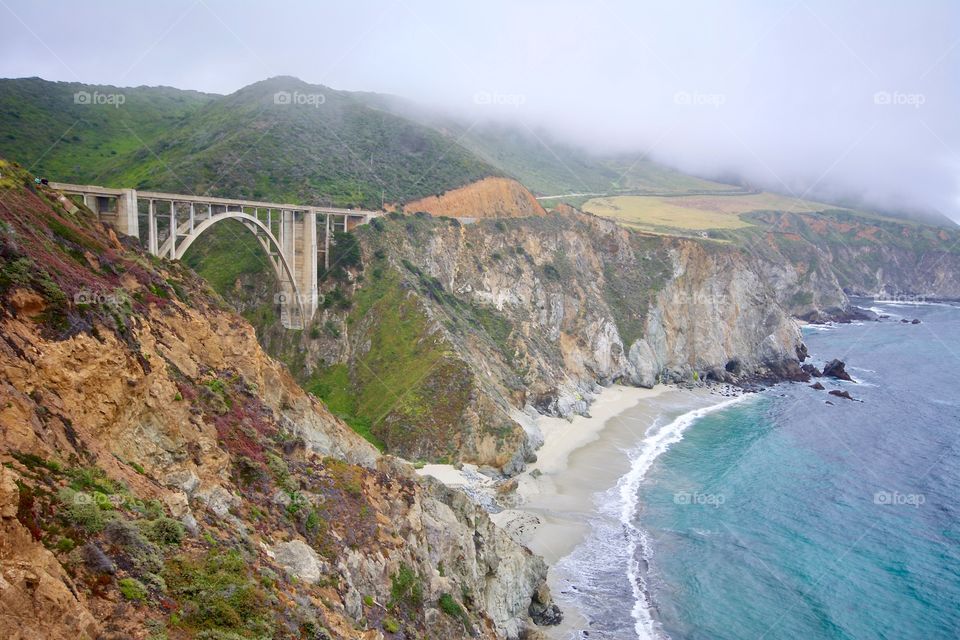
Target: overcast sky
x=851 y=99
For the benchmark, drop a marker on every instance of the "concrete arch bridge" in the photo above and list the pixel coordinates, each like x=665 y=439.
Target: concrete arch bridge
x=296 y=238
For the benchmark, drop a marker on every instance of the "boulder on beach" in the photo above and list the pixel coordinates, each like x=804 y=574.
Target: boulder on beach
x=837 y=369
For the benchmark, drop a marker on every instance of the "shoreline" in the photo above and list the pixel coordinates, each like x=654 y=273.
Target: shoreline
x=555 y=501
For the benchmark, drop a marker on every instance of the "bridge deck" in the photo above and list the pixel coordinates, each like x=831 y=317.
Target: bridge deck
x=94 y=190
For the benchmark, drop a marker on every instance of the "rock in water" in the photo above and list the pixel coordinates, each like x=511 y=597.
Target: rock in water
x=915 y=321
x=837 y=369
x=812 y=370
x=817 y=386
x=840 y=394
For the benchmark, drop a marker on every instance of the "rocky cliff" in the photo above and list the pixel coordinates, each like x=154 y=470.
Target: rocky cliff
x=162 y=477
x=871 y=257
x=526 y=315
x=448 y=334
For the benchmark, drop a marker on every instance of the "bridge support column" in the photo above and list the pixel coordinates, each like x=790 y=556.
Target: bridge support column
x=173 y=230
x=127 y=221
x=90 y=202
x=308 y=264
x=326 y=242
x=152 y=240
x=289 y=305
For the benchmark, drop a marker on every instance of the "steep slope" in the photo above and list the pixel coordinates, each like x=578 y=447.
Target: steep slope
x=487 y=198
x=872 y=257
x=163 y=477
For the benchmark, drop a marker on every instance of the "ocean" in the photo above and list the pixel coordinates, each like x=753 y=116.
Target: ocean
x=779 y=515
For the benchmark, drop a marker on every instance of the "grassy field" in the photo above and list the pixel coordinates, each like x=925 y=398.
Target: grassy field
x=694 y=212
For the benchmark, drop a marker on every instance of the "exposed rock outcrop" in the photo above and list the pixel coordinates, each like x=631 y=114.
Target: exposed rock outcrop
x=493 y=197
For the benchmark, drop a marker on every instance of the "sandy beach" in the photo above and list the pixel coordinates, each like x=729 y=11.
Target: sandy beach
x=555 y=498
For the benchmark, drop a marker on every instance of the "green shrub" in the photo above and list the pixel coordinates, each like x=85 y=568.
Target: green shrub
x=81 y=511
x=450 y=607
x=280 y=471
x=406 y=588
x=65 y=545
x=132 y=589
x=390 y=625
x=164 y=530
x=217 y=593
x=331 y=329
x=453 y=609
x=143 y=555
x=550 y=272
x=216 y=385
x=91 y=479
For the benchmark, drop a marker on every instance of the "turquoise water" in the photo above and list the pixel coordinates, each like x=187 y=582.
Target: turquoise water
x=784 y=517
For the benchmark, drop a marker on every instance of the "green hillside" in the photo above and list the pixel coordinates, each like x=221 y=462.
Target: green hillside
x=279 y=139
x=51 y=131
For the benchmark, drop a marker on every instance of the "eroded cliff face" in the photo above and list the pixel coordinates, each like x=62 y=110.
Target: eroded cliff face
x=537 y=312
x=493 y=197
x=163 y=476
x=871 y=257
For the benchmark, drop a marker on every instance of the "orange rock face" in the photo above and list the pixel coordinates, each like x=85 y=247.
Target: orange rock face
x=487 y=198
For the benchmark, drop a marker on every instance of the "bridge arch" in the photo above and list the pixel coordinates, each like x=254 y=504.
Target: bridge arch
x=263 y=234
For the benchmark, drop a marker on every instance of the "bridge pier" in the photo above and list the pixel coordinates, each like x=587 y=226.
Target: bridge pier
x=127 y=221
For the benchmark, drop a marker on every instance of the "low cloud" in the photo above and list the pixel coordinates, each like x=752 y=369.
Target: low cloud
x=853 y=100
